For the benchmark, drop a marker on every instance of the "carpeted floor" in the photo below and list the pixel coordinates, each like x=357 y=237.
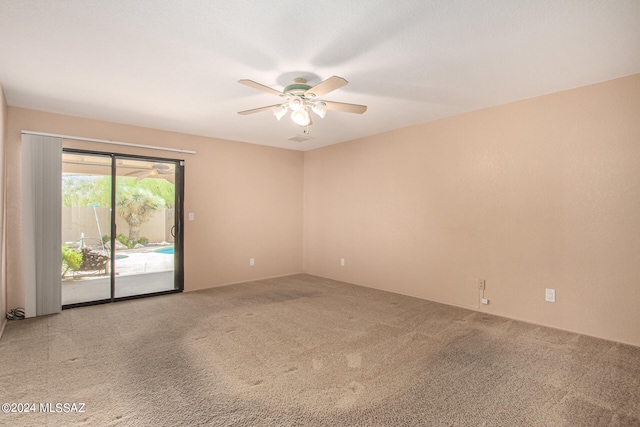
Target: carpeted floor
x=307 y=351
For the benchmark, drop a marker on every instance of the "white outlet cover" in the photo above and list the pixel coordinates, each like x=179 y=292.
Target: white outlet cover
x=550 y=295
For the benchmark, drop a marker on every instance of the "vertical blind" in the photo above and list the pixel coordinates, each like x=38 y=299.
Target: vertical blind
x=41 y=223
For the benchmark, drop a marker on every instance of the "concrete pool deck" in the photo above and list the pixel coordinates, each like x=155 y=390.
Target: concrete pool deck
x=143 y=271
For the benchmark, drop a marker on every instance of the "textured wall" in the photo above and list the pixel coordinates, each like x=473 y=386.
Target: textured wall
x=247 y=199
x=542 y=193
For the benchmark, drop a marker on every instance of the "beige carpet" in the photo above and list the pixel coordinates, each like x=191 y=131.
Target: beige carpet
x=307 y=351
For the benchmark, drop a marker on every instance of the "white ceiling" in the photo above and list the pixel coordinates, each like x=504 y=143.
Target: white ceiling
x=174 y=64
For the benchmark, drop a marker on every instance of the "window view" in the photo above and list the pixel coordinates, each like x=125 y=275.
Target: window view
x=141 y=256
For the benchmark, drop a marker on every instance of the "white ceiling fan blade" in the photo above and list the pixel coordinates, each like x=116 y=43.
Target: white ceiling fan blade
x=257 y=110
x=261 y=87
x=137 y=173
x=322 y=88
x=346 y=108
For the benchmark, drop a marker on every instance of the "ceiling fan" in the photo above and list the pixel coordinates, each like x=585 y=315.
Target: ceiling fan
x=301 y=97
x=157 y=170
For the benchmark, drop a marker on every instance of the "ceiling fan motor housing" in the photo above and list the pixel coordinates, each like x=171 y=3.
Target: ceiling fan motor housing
x=298 y=87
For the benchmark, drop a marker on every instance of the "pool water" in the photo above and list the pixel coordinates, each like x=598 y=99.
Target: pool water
x=167 y=250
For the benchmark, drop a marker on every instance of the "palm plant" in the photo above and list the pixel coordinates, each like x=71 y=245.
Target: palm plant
x=136 y=205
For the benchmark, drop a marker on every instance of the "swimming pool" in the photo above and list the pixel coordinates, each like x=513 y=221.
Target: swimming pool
x=168 y=250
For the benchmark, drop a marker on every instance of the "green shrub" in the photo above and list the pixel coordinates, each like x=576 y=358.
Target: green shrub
x=125 y=240
x=71 y=260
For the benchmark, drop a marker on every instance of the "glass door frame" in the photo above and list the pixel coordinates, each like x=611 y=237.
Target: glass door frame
x=178 y=269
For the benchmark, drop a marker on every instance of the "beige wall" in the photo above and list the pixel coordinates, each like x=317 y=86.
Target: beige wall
x=247 y=199
x=543 y=193
x=3 y=277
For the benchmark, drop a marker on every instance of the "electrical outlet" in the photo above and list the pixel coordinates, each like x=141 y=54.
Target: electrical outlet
x=252 y=262
x=550 y=295
x=481 y=284
x=484 y=301
x=342 y=262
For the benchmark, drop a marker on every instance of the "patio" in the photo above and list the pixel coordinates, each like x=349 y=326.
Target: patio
x=139 y=271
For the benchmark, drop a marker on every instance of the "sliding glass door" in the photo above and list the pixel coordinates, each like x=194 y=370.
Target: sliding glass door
x=121 y=227
x=86 y=227
x=145 y=205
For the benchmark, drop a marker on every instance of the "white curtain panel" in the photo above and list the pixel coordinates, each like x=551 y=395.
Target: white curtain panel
x=41 y=223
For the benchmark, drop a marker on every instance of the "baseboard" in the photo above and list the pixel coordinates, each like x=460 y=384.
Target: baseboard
x=244 y=281
x=480 y=310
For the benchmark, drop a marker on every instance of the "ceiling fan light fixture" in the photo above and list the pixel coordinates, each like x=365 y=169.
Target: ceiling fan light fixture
x=301 y=117
x=296 y=103
x=280 y=111
x=320 y=108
